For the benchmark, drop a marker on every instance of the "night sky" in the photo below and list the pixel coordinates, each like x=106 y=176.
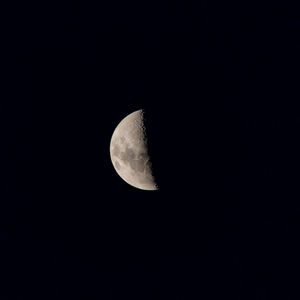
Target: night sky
x=219 y=84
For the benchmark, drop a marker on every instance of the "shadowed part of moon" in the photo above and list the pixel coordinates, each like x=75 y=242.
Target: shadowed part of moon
x=129 y=153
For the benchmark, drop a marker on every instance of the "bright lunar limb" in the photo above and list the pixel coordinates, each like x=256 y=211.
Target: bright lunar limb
x=129 y=152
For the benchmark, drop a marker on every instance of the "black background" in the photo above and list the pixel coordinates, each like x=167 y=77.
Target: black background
x=218 y=82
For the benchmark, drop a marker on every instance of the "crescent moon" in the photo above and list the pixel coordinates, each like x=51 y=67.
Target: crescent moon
x=129 y=152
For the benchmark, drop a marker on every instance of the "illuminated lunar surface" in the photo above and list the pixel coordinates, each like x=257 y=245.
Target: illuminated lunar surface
x=129 y=152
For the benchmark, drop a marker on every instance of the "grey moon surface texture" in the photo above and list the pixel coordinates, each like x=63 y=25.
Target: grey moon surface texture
x=129 y=152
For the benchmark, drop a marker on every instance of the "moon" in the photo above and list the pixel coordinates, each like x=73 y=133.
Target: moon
x=129 y=152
